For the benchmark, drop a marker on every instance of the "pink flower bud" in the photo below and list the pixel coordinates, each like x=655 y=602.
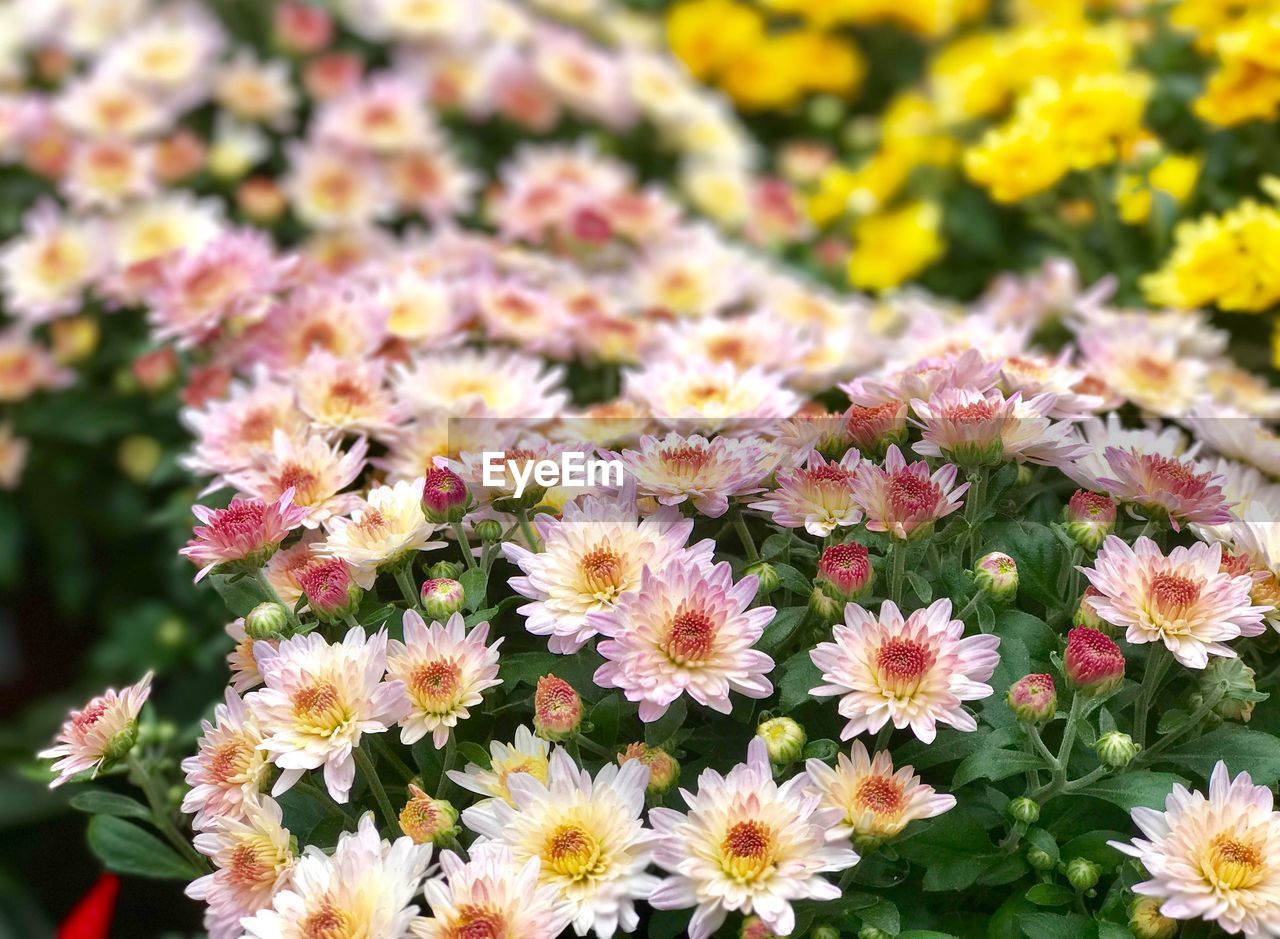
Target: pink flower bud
x=996 y=575
x=156 y=370
x=331 y=593
x=441 y=598
x=844 y=571
x=1089 y=516
x=1094 y=663
x=874 y=429
x=664 y=771
x=1033 y=698
x=302 y=28
x=444 y=496
x=557 y=709
x=427 y=820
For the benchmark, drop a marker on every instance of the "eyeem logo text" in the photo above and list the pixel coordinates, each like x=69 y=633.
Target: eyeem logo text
x=573 y=468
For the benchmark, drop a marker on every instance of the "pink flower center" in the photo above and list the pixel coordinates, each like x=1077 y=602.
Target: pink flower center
x=89 y=716
x=602 y=569
x=241 y=519
x=437 y=681
x=880 y=795
x=747 y=850
x=1173 y=594
x=691 y=637
x=901 y=663
x=832 y=473
x=686 y=460
x=909 y=495
x=248 y=866
x=315 y=699
x=976 y=412
x=303 y=481
x=475 y=922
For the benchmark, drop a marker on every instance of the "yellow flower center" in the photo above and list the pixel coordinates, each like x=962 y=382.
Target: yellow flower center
x=320 y=707
x=747 y=851
x=328 y=922
x=571 y=851
x=1233 y=864
x=435 y=684
x=880 y=795
x=602 y=573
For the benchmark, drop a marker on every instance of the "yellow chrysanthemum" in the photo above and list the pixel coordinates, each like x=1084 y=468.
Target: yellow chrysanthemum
x=894 y=246
x=1174 y=176
x=1017 y=161
x=709 y=34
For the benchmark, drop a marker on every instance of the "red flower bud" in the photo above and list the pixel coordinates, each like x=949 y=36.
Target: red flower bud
x=1033 y=698
x=557 y=709
x=444 y=496
x=331 y=593
x=1094 y=663
x=844 y=571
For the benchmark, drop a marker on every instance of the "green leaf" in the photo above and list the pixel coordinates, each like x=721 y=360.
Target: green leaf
x=954 y=851
x=241 y=594
x=1050 y=895
x=127 y=849
x=668 y=924
x=799 y=675
x=1057 y=926
x=922 y=587
x=475 y=583
x=1039 y=554
x=791 y=579
x=1130 y=790
x=994 y=765
x=604 y=720
x=1244 y=750
x=474 y=753
x=883 y=915
x=101 y=802
x=780 y=630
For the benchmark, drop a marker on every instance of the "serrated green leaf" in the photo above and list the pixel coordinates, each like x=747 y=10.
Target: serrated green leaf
x=1130 y=790
x=799 y=676
x=664 y=728
x=995 y=765
x=1244 y=750
x=475 y=584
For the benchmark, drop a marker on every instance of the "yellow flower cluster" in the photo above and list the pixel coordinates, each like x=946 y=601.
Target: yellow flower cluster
x=1246 y=84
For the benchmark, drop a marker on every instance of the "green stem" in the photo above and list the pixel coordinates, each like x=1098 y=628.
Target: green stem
x=974 y=501
x=1037 y=742
x=882 y=738
x=387 y=751
x=464 y=543
x=973 y=601
x=1169 y=739
x=1158 y=661
x=592 y=747
x=1092 y=776
x=897 y=570
x=375 y=784
x=530 y=536
x=744 y=535
x=407 y=588
x=161 y=817
x=321 y=798
x=444 y=784
x=268 y=591
x=1110 y=225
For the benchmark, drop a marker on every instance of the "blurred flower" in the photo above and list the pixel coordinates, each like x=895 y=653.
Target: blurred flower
x=101 y=733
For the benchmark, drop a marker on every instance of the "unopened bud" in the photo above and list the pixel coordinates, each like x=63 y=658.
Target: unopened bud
x=1033 y=698
x=844 y=572
x=266 y=621
x=1025 y=810
x=118 y=747
x=766 y=574
x=1082 y=873
x=1093 y=663
x=664 y=771
x=445 y=498
x=441 y=598
x=1235 y=682
x=876 y=428
x=426 y=820
x=1147 y=922
x=996 y=575
x=1116 y=749
x=784 y=739
x=753 y=927
x=557 y=709
x=1089 y=518
x=331 y=592
x=826 y=609
x=1086 y=615
x=1040 y=859
x=444 y=570
x=488 y=530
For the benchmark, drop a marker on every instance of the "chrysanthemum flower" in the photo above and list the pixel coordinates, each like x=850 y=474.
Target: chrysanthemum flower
x=335 y=189
x=365 y=889
x=1183 y=600
x=254 y=859
x=385 y=116
x=587 y=833
x=747 y=845
x=1213 y=858
x=247 y=532
x=46 y=270
x=489 y=383
x=347 y=395
x=387 y=527
x=1179 y=488
x=230 y=432
x=591 y=556
x=707 y=473
x=902 y=499
x=104 y=730
x=876 y=802
x=334 y=317
x=688 y=629
x=228 y=769
x=525 y=754
x=914 y=672
x=316 y=470
x=707 y=397
x=817 y=496
x=318 y=700
x=491 y=895
x=444 y=670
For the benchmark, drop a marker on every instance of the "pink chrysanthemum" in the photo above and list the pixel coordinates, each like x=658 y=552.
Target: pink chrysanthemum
x=915 y=672
x=228 y=768
x=974 y=428
x=817 y=496
x=230 y=432
x=687 y=630
x=102 y=731
x=1166 y=484
x=705 y=397
x=247 y=531
x=748 y=845
x=316 y=470
x=1184 y=599
x=902 y=499
x=707 y=473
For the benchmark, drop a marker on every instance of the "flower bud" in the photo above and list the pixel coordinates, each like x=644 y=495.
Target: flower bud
x=441 y=598
x=1087 y=616
x=844 y=572
x=260 y=200
x=876 y=428
x=118 y=747
x=1234 y=680
x=784 y=739
x=76 y=337
x=825 y=608
x=996 y=575
x=331 y=592
x=427 y=820
x=1082 y=873
x=156 y=370
x=557 y=709
x=1040 y=859
x=266 y=621
x=444 y=570
x=1023 y=809
x=1033 y=698
x=866 y=932
x=1116 y=749
x=1094 y=664
x=301 y=28
x=664 y=771
x=1147 y=922
x=1089 y=518
x=489 y=530
x=753 y=927
x=445 y=498
x=767 y=576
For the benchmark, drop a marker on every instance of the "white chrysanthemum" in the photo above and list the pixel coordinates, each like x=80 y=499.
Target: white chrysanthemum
x=587 y=834
x=1184 y=600
x=915 y=672
x=104 y=729
x=46 y=269
x=591 y=556
x=481 y=383
x=319 y=700
x=364 y=891
x=701 y=396
x=747 y=845
x=228 y=768
x=875 y=802
x=384 y=530
x=705 y=472
x=491 y=895
x=818 y=496
x=315 y=469
x=525 y=754
x=1215 y=858
x=445 y=670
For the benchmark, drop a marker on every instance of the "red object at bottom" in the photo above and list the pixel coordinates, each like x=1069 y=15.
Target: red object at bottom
x=91 y=918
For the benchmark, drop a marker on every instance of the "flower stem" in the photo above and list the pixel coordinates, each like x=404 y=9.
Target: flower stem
x=387 y=752
x=744 y=535
x=321 y=798
x=407 y=588
x=269 y=592
x=1158 y=661
x=375 y=784
x=897 y=570
x=526 y=529
x=450 y=754
x=464 y=543
x=160 y=814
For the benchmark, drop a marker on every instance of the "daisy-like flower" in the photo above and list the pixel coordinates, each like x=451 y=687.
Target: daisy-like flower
x=748 y=845
x=904 y=499
x=491 y=895
x=525 y=754
x=875 y=801
x=591 y=556
x=318 y=700
x=230 y=432
x=46 y=270
x=1213 y=858
x=707 y=397
x=1149 y=369
x=246 y=533
x=386 y=528
x=365 y=889
x=1184 y=600
x=228 y=769
x=254 y=859
x=489 y=383
x=817 y=496
x=336 y=318
x=1091 y=464
x=335 y=189
x=976 y=428
x=347 y=395
x=444 y=670
x=587 y=834
x=100 y=733
x=915 y=672
x=707 y=473
x=314 y=469
x=1187 y=493
x=687 y=630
